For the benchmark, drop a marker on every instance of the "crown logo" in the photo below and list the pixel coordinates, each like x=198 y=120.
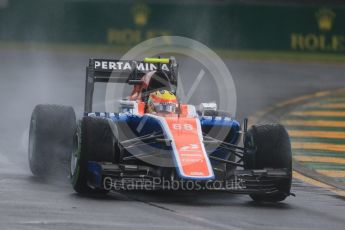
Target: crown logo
x=325 y=19
x=141 y=13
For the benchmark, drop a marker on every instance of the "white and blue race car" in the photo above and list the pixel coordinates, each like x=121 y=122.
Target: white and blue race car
x=192 y=149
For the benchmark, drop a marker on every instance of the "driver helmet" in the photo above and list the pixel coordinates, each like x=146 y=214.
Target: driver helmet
x=162 y=101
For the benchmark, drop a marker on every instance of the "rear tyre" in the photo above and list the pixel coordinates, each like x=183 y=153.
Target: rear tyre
x=273 y=150
x=94 y=141
x=52 y=128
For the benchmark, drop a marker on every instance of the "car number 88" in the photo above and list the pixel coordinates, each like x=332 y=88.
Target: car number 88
x=187 y=127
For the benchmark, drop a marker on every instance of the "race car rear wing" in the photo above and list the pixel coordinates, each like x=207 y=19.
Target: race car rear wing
x=125 y=71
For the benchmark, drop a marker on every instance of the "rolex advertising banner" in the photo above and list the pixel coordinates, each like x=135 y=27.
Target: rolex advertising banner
x=302 y=28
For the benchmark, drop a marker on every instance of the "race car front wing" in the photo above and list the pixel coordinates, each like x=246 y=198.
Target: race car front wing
x=139 y=177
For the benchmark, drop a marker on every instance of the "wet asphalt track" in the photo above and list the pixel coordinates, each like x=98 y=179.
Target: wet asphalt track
x=30 y=77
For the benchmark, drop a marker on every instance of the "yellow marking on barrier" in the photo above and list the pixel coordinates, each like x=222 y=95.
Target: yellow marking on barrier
x=333 y=106
x=317 y=113
x=310 y=180
x=322 y=123
x=318 y=183
x=294 y=100
x=330 y=105
x=318 y=146
x=306 y=97
x=337 y=160
x=339 y=192
x=259 y=114
x=332 y=173
x=321 y=134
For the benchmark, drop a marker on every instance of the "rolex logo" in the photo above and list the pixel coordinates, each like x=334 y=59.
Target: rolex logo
x=141 y=13
x=325 y=19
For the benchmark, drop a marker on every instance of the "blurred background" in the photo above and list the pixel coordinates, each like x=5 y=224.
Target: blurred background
x=267 y=25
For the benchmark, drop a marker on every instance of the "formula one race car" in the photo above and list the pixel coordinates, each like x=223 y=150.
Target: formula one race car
x=155 y=142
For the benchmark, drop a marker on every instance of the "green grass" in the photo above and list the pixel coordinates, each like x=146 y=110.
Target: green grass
x=315 y=128
x=287 y=56
x=325 y=140
x=324 y=166
x=314 y=118
x=312 y=152
x=307 y=108
x=341 y=179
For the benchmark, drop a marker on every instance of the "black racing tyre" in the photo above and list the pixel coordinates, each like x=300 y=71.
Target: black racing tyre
x=94 y=141
x=273 y=150
x=52 y=128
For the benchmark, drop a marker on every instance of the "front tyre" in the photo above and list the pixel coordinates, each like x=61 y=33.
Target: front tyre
x=94 y=141
x=52 y=128
x=273 y=150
